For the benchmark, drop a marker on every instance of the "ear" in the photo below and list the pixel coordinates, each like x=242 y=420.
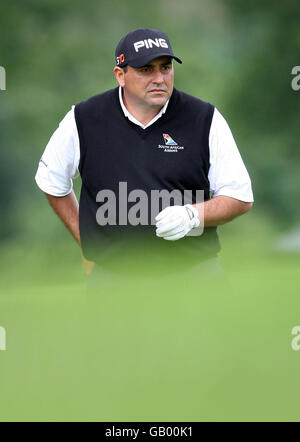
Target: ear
x=119 y=74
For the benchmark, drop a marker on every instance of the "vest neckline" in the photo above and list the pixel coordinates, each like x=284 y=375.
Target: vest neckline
x=165 y=117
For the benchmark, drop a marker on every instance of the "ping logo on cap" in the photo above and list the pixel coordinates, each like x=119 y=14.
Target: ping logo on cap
x=148 y=43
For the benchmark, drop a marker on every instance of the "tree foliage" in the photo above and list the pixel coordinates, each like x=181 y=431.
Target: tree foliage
x=237 y=55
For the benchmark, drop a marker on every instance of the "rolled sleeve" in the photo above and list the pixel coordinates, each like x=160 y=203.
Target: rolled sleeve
x=59 y=163
x=228 y=175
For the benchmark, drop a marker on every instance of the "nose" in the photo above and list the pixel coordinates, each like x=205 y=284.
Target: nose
x=158 y=77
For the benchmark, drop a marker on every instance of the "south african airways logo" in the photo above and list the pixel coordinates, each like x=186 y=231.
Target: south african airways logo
x=170 y=145
x=168 y=140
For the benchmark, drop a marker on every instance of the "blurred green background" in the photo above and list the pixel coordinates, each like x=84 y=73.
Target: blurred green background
x=235 y=361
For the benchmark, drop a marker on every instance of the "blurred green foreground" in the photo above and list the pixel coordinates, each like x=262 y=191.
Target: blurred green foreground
x=148 y=349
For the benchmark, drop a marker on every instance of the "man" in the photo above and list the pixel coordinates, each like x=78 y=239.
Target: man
x=140 y=149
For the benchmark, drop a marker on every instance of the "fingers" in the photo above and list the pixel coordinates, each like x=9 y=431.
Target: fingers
x=170 y=211
x=174 y=237
x=168 y=219
x=164 y=212
x=172 y=223
x=163 y=228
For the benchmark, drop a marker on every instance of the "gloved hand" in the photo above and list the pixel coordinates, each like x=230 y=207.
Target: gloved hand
x=175 y=222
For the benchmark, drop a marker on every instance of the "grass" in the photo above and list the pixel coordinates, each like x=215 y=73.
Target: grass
x=179 y=350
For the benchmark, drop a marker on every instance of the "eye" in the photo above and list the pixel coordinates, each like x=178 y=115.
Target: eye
x=145 y=70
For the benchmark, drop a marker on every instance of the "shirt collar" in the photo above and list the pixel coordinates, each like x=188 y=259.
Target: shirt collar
x=133 y=119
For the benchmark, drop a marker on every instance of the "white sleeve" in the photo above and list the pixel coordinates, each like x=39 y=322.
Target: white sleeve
x=60 y=160
x=227 y=175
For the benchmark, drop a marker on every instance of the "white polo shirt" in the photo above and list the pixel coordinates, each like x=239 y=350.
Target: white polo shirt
x=227 y=175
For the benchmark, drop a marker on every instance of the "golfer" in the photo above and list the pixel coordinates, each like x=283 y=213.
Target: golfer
x=160 y=169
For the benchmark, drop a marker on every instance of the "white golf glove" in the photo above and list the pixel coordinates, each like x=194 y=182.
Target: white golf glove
x=175 y=222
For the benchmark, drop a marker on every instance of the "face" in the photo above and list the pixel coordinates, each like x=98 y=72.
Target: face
x=150 y=85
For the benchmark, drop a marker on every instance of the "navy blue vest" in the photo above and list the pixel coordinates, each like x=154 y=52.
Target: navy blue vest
x=173 y=153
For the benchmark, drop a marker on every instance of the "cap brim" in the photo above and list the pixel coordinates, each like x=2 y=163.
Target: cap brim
x=142 y=61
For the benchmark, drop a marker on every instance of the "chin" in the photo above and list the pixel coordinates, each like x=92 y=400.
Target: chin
x=159 y=101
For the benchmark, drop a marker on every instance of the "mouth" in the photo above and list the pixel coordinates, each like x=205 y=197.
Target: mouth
x=160 y=91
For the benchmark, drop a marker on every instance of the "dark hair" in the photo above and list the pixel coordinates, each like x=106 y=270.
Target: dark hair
x=125 y=69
